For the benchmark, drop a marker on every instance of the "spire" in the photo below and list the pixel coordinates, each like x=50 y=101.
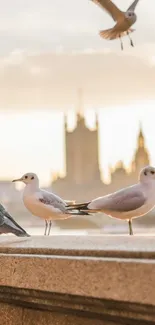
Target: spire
x=119 y=165
x=65 y=122
x=140 y=129
x=141 y=157
x=141 y=137
x=96 y=118
x=80 y=116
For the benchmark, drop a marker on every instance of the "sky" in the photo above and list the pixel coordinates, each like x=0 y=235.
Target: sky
x=53 y=47
x=48 y=50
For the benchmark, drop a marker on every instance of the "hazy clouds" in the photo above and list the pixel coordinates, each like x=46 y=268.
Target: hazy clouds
x=33 y=73
x=52 y=80
x=45 y=25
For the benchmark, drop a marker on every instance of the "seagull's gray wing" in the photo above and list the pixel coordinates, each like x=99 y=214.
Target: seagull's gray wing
x=53 y=200
x=111 y=8
x=133 y=6
x=122 y=201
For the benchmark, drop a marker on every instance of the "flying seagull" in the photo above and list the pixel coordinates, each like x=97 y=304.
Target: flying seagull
x=43 y=204
x=124 y=20
x=9 y=225
x=128 y=203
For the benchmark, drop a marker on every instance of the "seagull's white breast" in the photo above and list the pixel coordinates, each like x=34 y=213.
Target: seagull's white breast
x=34 y=206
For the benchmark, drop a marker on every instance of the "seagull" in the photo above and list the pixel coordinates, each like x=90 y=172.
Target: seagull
x=44 y=204
x=131 y=202
x=9 y=225
x=124 y=20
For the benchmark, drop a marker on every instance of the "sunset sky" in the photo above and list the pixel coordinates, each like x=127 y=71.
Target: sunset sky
x=48 y=50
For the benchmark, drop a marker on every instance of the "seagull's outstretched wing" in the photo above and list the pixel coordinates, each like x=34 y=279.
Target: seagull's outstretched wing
x=133 y=6
x=125 y=200
x=111 y=8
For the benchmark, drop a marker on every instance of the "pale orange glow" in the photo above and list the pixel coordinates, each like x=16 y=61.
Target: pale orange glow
x=34 y=141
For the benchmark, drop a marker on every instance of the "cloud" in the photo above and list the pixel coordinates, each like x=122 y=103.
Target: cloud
x=52 y=80
x=51 y=48
x=45 y=25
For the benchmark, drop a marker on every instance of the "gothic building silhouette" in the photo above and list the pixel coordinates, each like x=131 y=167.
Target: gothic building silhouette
x=83 y=176
x=83 y=179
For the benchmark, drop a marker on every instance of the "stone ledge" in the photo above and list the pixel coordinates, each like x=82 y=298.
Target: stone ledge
x=91 y=246
x=64 y=271
x=118 y=279
x=106 y=278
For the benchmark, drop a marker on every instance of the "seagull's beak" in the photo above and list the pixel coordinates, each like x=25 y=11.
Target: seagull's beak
x=18 y=180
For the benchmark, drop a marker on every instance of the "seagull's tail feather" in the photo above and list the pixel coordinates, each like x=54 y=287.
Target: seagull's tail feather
x=112 y=33
x=82 y=208
x=6 y=229
x=9 y=225
x=78 y=213
x=22 y=234
x=69 y=201
x=79 y=206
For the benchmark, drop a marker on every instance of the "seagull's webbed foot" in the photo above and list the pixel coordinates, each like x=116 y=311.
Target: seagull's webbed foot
x=130 y=227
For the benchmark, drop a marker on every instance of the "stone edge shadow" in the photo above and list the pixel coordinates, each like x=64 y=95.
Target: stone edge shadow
x=85 y=307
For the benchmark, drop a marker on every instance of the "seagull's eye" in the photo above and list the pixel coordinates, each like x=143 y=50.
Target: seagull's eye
x=152 y=172
x=145 y=173
x=32 y=177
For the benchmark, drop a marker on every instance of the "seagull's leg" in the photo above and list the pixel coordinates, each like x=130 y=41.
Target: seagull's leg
x=121 y=42
x=131 y=41
x=49 y=229
x=130 y=227
x=46 y=225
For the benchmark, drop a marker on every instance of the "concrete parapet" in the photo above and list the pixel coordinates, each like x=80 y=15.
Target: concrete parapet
x=71 y=280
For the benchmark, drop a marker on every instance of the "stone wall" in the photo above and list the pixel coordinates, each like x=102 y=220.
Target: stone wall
x=87 y=280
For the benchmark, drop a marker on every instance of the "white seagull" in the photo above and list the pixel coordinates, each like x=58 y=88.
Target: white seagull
x=128 y=203
x=43 y=204
x=124 y=20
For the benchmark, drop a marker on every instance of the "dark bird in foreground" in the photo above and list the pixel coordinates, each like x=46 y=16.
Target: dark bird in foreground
x=9 y=225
